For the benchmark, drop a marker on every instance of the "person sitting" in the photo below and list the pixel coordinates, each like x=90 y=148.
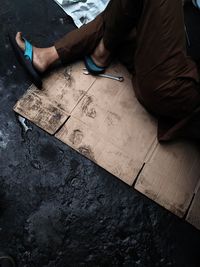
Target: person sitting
x=149 y=38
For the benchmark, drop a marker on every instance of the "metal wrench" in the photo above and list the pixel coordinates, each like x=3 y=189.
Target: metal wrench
x=109 y=76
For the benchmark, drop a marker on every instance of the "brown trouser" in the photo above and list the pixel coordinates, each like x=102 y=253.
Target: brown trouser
x=165 y=80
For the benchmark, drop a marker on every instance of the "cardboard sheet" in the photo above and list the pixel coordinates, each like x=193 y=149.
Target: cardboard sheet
x=102 y=119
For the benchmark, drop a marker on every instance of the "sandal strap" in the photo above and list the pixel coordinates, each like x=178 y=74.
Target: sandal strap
x=28 y=53
x=92 y=67
x=6 y=257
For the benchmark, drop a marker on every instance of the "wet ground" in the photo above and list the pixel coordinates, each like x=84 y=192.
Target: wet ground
x=58 y=208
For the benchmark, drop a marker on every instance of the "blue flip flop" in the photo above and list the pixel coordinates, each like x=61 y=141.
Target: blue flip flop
x=92 y=67
x=26 y=60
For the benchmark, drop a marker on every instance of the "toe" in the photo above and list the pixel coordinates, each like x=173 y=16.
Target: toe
x=20 y=41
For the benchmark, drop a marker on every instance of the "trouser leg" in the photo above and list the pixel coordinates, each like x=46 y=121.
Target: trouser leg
x=120 y=17
x=112 y=25
x=166 y=78
x=167 y=81
x=80 y=42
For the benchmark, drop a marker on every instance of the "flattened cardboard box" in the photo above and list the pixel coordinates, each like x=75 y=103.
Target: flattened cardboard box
x=102 y=119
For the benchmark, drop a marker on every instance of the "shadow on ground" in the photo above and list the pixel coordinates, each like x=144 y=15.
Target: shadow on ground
x=58 y=208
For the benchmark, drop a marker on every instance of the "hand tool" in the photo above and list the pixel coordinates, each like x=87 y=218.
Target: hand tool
x=109 y=76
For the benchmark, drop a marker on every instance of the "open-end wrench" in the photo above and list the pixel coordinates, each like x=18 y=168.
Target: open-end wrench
x=109 y=76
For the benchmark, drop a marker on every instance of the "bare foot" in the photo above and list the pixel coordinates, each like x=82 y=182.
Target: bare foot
x=101 y=56
x=42 y=57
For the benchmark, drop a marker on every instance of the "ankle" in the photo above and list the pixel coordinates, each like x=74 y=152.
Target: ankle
x=44 y=57
x=101 y=55
x=51 y=55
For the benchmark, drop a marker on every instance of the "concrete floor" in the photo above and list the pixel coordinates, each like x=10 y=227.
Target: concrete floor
x=58 y=208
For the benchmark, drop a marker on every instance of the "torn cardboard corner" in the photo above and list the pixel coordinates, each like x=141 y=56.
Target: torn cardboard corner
x=102 y=119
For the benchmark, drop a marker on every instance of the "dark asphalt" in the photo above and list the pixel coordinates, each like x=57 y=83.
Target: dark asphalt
x=58 y=208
